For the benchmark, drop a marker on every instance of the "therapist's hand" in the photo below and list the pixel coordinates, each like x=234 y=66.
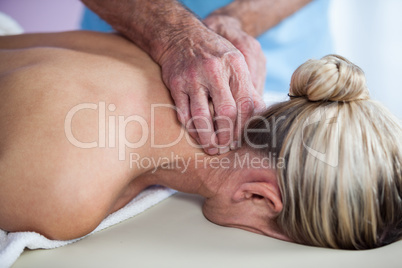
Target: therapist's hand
x=200 y=66
x=230 y=28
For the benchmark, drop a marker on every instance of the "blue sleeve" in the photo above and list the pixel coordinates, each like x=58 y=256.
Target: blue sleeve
x=92 y=22
x=302 y=36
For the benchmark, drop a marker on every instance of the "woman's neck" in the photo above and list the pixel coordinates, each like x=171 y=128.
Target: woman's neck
x=184 y=168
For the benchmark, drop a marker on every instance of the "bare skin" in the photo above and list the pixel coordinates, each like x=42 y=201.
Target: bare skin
x=63 y=191
x=218 y=59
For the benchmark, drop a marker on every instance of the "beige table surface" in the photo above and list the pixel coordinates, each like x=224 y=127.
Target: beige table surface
x=174 y=233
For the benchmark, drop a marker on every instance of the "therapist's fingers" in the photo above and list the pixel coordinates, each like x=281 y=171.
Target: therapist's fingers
x=202 y=120
x=182 y=103
x=255 y=59
x=225 y=115
x=242 y=89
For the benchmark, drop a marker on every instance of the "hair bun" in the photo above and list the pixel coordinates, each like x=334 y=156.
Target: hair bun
x=333 y=78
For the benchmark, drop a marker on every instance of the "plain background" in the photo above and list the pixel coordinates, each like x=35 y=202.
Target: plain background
x=368 y=32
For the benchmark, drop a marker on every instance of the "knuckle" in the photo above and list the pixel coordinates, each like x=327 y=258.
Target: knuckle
x=245 y=105
x=213 y=68
x=200 y=112
x=227 y=110
x=225 y=139
x=237 y=61
x=212 y=63
x=254 y=48
x=191 y=75
x=197 y=93
x=175 y=82
x=236 y=56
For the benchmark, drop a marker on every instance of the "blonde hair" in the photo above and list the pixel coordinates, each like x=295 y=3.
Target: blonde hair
x=341 y=184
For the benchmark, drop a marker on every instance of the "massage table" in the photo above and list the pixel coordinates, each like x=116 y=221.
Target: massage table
x=174 y=233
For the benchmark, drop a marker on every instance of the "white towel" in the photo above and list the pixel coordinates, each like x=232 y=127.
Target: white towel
x=9 y=26
x=13 y=244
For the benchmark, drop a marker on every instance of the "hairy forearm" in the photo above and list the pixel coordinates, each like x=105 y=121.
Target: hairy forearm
x=258 y=16
x=152 y=25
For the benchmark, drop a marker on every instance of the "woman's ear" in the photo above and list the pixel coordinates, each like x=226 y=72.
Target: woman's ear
x=260 y=193
x=260 y=189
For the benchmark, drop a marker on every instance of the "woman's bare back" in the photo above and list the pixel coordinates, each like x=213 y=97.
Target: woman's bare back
x=49 y=181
